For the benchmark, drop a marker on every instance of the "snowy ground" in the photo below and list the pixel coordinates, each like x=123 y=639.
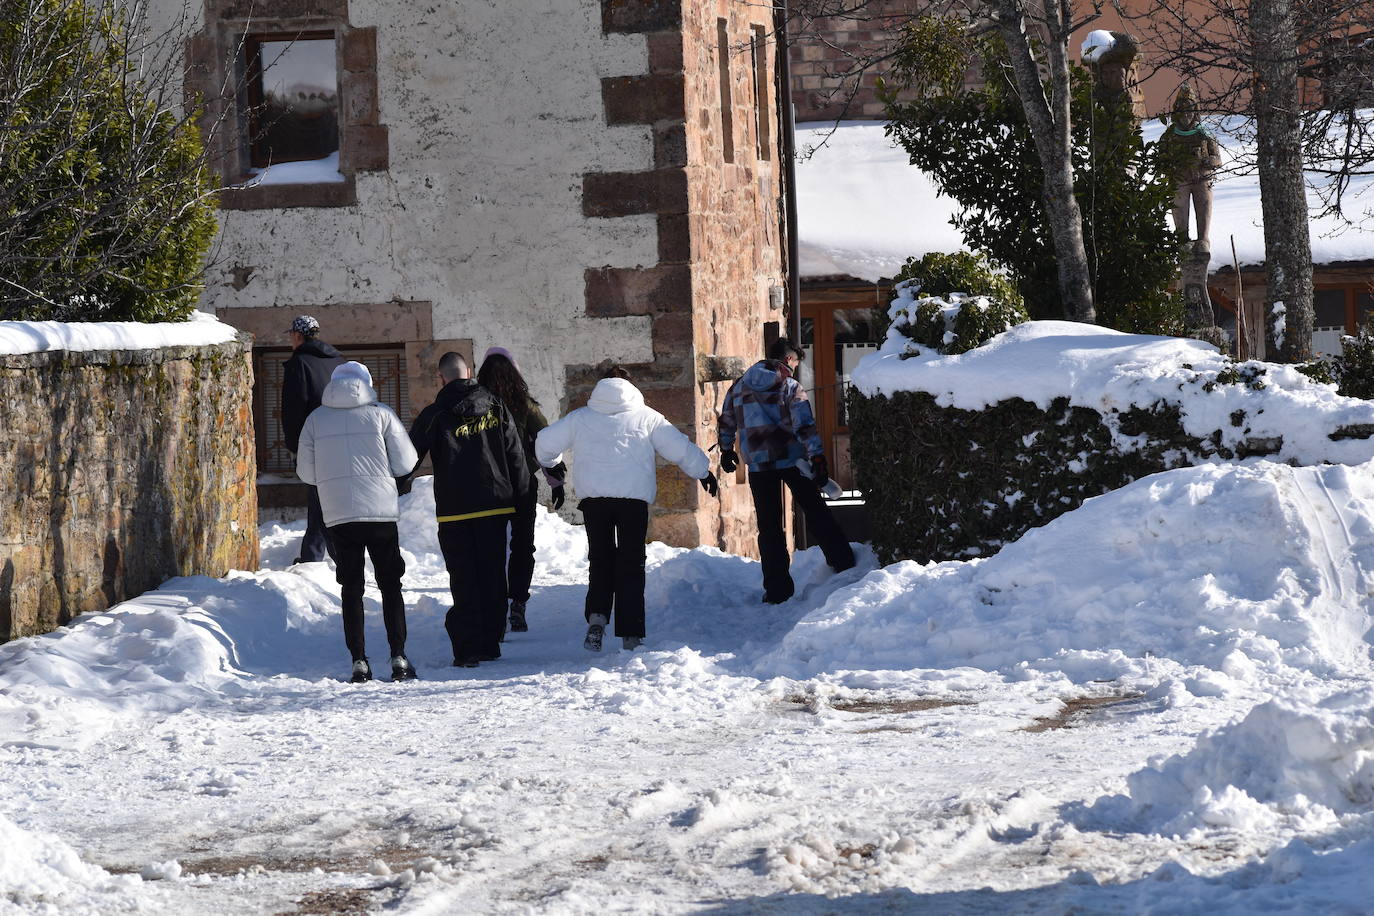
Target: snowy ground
x=891 y=740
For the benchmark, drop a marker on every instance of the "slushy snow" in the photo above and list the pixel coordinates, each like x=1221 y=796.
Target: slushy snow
x=887 y=740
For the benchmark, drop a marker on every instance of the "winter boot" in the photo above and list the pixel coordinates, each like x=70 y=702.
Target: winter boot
x=362 y=671
x=596 y=630
x=630 y=643
x=402 y=669
x=517 y=617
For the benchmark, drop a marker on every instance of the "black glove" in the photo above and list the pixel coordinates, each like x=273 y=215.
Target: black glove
x=728 y=460
x=557 y=498
x=403 y=485
x=560 y=470
x=708 y=483
x=820 y=471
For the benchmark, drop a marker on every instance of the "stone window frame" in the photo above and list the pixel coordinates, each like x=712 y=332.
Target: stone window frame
x=214 y=77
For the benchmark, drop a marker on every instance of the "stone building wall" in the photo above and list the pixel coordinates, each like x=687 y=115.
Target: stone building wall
x=713 y=193
x=124 y=468
x=476 y=125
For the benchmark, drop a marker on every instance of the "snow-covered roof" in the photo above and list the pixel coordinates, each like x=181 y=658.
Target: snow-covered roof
x=863 y=209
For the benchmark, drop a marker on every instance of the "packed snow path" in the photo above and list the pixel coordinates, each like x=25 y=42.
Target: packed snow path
x=892 y=740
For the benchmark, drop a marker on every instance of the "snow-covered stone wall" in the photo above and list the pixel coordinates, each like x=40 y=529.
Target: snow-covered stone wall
x=123 y=468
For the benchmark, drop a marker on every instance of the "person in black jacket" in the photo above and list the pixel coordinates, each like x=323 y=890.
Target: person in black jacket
x=306 y=374
x=480 y=476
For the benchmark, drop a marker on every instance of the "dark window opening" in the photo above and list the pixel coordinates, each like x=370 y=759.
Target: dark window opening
x=759 y=58
x=727 y=117
x=292 y=88
x=389 y=378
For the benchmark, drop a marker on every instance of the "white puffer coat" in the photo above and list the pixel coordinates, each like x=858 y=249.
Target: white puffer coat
x=614 y=440
x=353 y=449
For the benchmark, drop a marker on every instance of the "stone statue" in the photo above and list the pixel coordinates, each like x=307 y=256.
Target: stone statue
x=1113 y=68
x=1193 y=156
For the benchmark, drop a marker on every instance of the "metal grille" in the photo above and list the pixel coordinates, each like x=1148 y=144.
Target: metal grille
x=389 y=378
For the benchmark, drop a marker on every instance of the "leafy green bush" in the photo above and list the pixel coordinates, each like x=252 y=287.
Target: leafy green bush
x=940 y=274
x=978 y=149
x=106 y=204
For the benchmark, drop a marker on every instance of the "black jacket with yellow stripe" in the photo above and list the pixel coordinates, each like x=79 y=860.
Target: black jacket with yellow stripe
x=474 y=445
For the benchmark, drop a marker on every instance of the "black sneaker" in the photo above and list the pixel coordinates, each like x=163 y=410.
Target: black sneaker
x=362 y=672
x=517 y=617
x=402 y=669
x=467 y=662
x=595 y=633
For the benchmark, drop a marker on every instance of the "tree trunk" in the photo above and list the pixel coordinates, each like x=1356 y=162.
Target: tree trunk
x=1283 y=194
x=1049 y=122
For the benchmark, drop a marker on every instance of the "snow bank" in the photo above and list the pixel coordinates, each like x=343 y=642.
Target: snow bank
x=1106 y=370
x=40 y=873
x=1251 y=572
x=1298 y=762
x=201 y=329
x=193 y=641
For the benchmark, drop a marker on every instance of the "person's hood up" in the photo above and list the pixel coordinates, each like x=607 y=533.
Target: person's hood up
x=615 y=395
x=313 y=346
x=766 y=374
x=347 y=391
x=465 y=398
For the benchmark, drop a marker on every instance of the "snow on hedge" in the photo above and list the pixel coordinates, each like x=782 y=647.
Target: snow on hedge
x=200 y=329
x=1106 y=370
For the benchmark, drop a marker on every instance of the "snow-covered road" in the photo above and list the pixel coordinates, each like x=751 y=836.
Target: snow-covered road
x=890 y=740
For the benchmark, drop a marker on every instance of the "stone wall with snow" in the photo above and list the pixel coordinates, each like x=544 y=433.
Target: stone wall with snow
x=123 y=468
x=958 y=455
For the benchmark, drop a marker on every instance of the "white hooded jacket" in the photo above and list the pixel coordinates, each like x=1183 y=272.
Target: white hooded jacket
x=614 y=440
x=353 y=449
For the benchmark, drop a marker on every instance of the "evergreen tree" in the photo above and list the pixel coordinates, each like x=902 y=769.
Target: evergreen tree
x=106 y=203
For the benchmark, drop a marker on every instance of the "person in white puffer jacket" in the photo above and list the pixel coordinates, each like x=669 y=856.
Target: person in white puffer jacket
x=353 y=449
x=615 y=440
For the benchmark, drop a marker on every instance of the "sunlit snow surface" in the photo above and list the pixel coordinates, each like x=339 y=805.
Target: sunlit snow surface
x=196 y=751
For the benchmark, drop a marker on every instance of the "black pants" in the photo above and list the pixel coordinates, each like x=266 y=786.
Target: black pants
x=520 y=569
x=616 y=529
x=475 y=554
x=766 y=487
x=380 y=541
x=315 y=545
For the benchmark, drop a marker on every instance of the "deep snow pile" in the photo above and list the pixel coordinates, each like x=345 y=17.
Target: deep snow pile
x=1106 y=370
x=1238 y=575
x=200 y=329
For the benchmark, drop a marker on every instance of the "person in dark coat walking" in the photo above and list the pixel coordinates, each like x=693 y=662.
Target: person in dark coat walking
x=304 y=379
x=767 y=410
x=501 y=376
x=480 y=476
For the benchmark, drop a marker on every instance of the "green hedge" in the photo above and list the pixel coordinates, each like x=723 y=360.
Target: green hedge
x=943 y=483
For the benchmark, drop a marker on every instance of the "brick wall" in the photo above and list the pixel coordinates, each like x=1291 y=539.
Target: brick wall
x=125 y=468
x=827 y=54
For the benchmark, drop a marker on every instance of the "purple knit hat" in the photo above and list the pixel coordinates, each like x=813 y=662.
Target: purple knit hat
x=501 y=351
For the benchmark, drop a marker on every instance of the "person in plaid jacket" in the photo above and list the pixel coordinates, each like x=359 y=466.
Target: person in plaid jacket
x=766 y=411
